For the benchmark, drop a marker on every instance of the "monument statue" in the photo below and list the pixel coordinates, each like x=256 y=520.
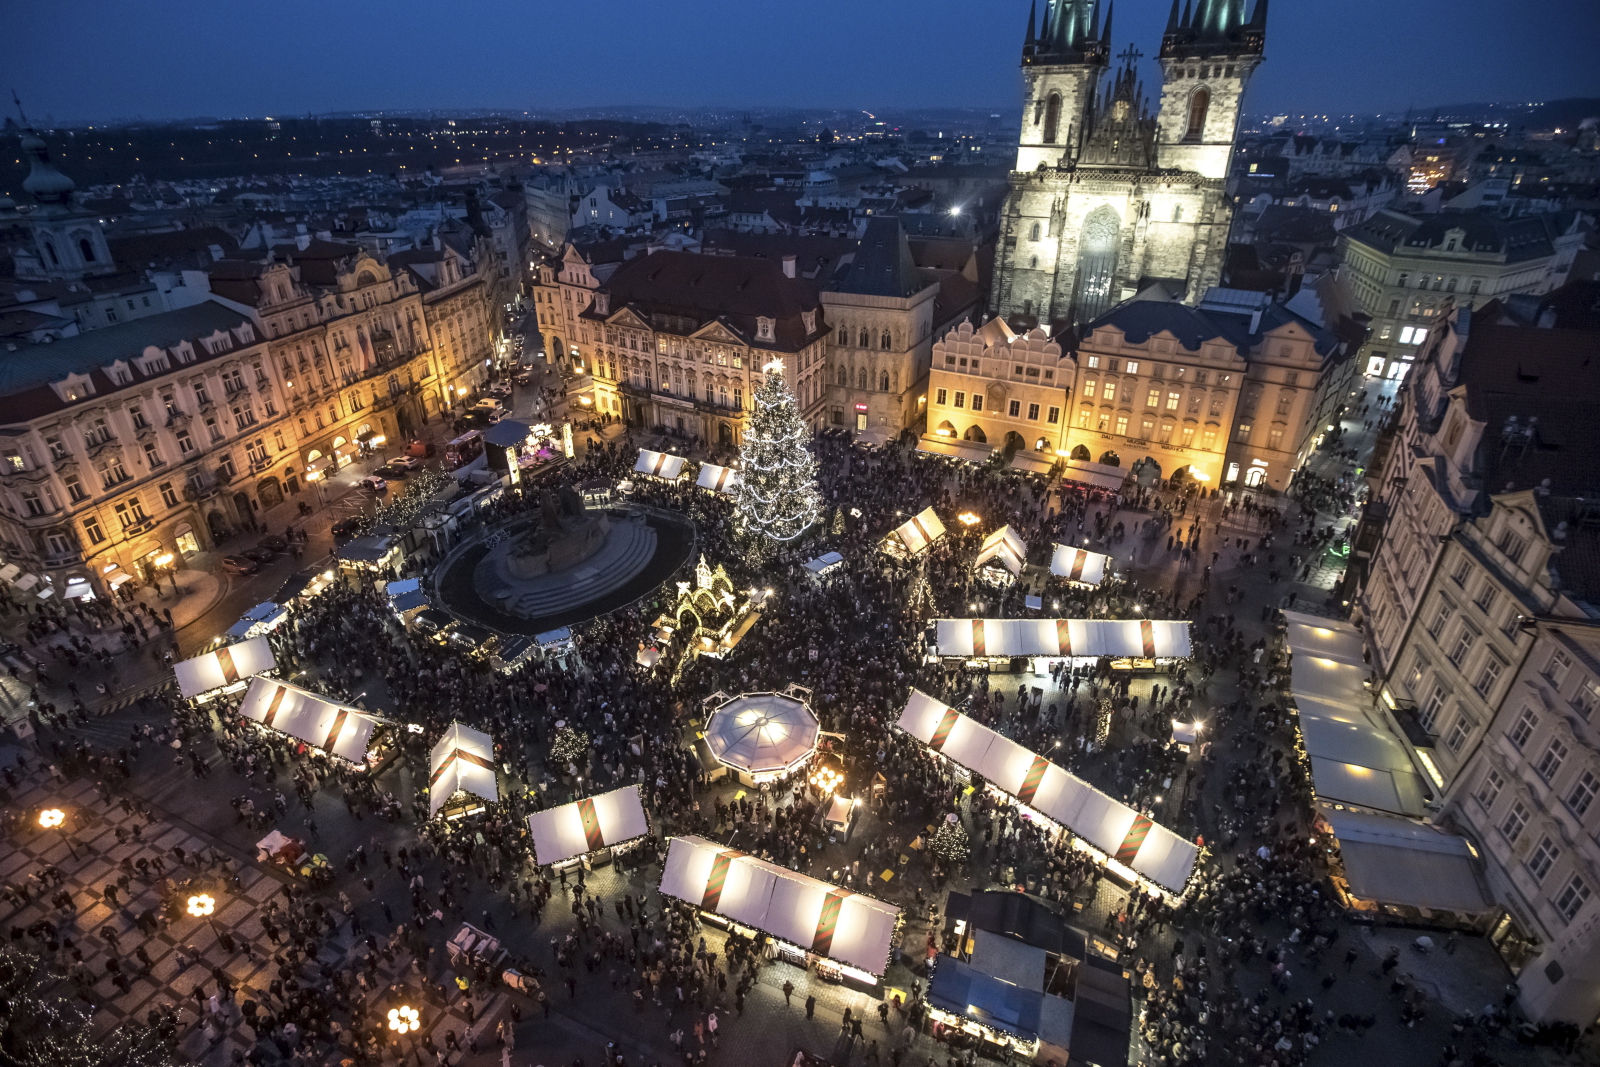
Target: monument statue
x=566 y=535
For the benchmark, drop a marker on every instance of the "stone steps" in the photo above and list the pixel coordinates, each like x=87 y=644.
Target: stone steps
x=628 y=550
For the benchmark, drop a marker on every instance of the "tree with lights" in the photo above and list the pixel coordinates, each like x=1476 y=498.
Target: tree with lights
x=777 y=498
x=951 y=843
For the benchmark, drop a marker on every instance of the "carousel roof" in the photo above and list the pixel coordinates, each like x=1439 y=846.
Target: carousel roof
x=762 y=732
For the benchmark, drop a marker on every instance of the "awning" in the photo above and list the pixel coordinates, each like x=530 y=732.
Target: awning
x=663 y=465
x=263 y=618
x=1099 y=474
x=971 y=451
x=345 y=449
x=919 y=532
x=762 y=733
x=1033 y=462
x=569 y=830
x=1139 y=638
x=366 y=435
x=226 y=665
x=462 y=761
x=961 y=989
x=852 y=928
x=1109 y=825
x=1316 y=636
x=717 y=479
x=1078 y=565
x=871 y=438
x=824 y=563
x=647 y=657
x=1400 y=861
x=335 y=728
x=10 y=572
x=27 y=582
x=320 y=463
x=1006 y=546
x=556 y=638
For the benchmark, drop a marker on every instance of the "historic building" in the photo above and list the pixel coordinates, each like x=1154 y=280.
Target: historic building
x=1107 y=199
x=990 y=386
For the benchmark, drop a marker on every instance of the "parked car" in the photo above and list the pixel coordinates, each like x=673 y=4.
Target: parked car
x=240 y=565
x=272 y=543
x=374 y=484
x=260 y=555
x=391 y=472
x=501 y=391
x=345 y=529
x=410 y=463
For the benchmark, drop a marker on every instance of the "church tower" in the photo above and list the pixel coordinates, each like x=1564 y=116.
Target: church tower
x=1060 y=67
x=1207 y=55
x=68 y=243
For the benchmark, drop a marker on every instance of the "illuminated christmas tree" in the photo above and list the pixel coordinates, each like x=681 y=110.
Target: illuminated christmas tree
x=777 y=497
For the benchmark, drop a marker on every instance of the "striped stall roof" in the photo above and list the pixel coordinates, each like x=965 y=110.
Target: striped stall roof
x=224 y=666
x=569 y=830
x=663 y=465
x=920 y=532
x=1006 y=545
x=335 y=728
x=1148 y=638
x=461 y=761
x=1078 y=565
x=1109 y=825
x=717 y=479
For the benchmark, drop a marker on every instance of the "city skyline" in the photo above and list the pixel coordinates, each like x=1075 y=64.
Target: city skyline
x=708 y=53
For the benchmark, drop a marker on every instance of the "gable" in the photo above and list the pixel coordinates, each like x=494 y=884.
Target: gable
x=717 y=331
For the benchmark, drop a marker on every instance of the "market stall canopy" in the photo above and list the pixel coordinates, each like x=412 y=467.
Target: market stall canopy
x=1315 y=636
x=647 y=657
x=1147 y=638
x=1033 y=462
x=971 y=451
x=1006 y=545
x=463 y=761
x=1102 y=475
x=224 y=666
x=260 y=619
x=1109 y=825
x=1400 y=861
x=508 y=433
x=663 y=465
x=762 y=733
x=918 y=533
x=717 y=479
x=836 y=923
x=587 y=825
x=824 y=563
x=1078 y=565
x=335 y=728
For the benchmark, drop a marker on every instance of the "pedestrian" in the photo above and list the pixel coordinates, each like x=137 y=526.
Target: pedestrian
x=811 y=1006
x=788 y=991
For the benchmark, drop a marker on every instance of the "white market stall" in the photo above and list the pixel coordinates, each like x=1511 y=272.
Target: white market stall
x=261 y=619
x=917 y=534
x=663 y=465
x=762 y=736
x=824 y=564
x=1007 y=546
x=970 y=451
x=812 y=917
x=570 y=831
x=227 y=666
x=1137 y=638
x=337 y=729
x=1078 y=565
x=717 y=479
x=1127 y=837
x=462 y=762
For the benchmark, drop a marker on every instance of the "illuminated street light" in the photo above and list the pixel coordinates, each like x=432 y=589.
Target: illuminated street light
x=404 y=1019
x=202 y=905
x=968 y=518
x=50 y=818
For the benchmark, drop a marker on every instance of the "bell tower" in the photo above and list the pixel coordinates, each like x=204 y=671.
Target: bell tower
x=1061 y=65
x=1208 y=53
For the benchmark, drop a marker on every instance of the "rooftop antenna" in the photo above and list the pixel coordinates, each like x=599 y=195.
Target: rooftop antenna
x=15 y=99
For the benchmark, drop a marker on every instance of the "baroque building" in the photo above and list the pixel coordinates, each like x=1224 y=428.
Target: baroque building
x=1106 y=199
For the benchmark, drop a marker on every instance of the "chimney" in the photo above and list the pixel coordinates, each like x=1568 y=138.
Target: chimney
x=788 y=266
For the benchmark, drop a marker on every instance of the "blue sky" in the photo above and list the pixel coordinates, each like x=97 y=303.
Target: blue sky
x=164 y=59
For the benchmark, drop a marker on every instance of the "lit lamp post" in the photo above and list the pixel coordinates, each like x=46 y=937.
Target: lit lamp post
x=56 y=819
x=164 y=567
x=316 y=479
x=201 y=906
x=405 y=1020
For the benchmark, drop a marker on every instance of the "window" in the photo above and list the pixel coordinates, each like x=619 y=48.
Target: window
x=1275 y=438
x=1512 y=545
x=961 y=399
x=1463 y=646
x=1572 y=898
x=136 y=413
x=226 y=467
x=32 y=502
x=1199 y=102
x=168 y=496
x=1194 y=403
x=1172 y=401
x=201 y=396
x=1033 y=412
x=977 y=401
x=1516 y=819
x=1122 y=425
x=1014 y=409
x=1109 y=392
x=1489 y=789
x=75 y=489
x=1089 y=387
x=213 y=430
x=1131 y=367
x=1053 y=416
x=1549 y=765
x=112 y=472
x=152 y=456
x=1085 y=416
x=1147 y=428
x=1094 y=362
x=1556 y=670
x=91 y=528
x=1459 y=733
x=1285 y=403
x=1152 y=398
x=1526 y=723
x=941 y=397
x=1588 y=697
x=1543 y=858
x=257 y=450
x=185 y=442
x=1487 y=597
x=58 y=449
x=1441 y=619
x=1242 y=434
x=1432 y=707
x=1489 y=675
x=1583 y=793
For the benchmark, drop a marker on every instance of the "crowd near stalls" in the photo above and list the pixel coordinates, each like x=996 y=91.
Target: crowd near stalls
x=1057 y=780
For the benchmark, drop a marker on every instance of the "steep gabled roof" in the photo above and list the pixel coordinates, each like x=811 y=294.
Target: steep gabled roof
x=883 y=265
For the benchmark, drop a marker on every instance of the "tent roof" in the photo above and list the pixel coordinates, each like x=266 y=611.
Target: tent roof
x=327 y=724
x=463 y=759
x=717 y=479
x=569 y=830
x=1400 y=861
x=663 y=465
x=920 y=531
x=760 y=732
x=224 y=666
x=1062 y=637
x=1078 y=565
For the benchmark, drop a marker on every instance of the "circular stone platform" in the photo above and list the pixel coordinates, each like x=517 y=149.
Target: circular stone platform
x=625 y=555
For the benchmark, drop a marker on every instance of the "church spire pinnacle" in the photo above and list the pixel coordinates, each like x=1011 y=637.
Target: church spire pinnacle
x=1032 y=10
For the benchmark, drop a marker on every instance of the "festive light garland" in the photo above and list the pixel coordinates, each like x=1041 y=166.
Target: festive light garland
x=777 y=494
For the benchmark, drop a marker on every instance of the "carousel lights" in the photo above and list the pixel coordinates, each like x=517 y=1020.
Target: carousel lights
x=404 y=1019
x=50 y=818
x=202 y=905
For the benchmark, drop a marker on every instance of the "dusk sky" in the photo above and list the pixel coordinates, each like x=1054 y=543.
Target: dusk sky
x=107 y=59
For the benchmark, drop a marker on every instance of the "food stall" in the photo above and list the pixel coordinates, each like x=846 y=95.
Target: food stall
x=461 y=773
x=715 y=479
x=589 y=831
x=1006 y=546
x=1147 y=644
x=1078 y=566
x=325 y=725
x=914 y=536
x=662 y=465
x=848 y=935
x=224 y=669
x=261 y=619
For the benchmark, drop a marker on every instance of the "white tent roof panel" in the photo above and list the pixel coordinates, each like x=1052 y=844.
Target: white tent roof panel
x=1312 y=635
x=717 y=479
x=1148 y=638
x=224 y=666
x=1004 y=544
x=569 y=830
x=971 y=451
x=663 y=465
x=920 y=531
x=326 y=724
x=463 y=759
x=1078 y=565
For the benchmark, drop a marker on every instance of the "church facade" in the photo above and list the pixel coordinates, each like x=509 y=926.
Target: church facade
x=1107 y=199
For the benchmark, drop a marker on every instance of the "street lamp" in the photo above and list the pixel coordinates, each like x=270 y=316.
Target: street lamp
x=56 y=819
x=404 y=1020
x=164 y=566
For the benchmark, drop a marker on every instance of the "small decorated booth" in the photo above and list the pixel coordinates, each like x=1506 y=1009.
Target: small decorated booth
x=914 y=536
x=331 y=728
x=1078 y=566
x=762 y=737
x=1006 y=546
x=1128 y=843
x=1131 y=644
x=663 y=465
x=589 y=831
x=224 y=669
x=461 y=778
x=717 y=479
x=824 y=565
x=261 y=619
x=847 y=934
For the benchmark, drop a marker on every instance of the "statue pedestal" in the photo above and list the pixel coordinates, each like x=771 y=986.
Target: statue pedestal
x=538 y=552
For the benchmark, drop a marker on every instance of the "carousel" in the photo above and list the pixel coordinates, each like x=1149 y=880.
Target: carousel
x=762 y=737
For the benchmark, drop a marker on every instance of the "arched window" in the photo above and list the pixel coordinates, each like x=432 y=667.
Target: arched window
x=1080 y=453
x=86 y=249
x=1199 y=103
x=50 y=250
x=1097 y=261
x=865 y=341
x=1033 y=262
x=1033 y=234
x=843 y=377
x=885 y=342
x=1052 y=118
x=861 y=379
x=883 y=382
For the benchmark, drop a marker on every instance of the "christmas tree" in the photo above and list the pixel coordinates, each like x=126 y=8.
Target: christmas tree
x=777 y=497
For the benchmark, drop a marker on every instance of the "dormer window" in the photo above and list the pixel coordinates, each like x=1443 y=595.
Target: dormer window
x=74 y=387
x=602 y=303
x=810 y=320
x=764 y=328
x=245 y=332
x=183 y=351
x=119 y=373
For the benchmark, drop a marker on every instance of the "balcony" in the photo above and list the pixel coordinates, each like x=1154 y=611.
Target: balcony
x=65 y=559
x=203 y=490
